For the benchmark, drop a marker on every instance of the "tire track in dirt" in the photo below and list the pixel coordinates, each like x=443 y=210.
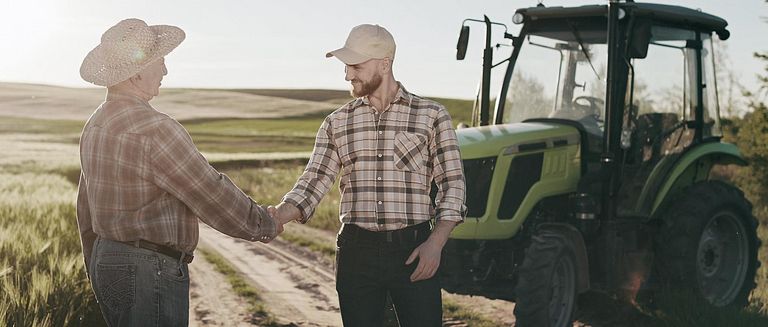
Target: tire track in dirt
x=295 y=289
x=212 y=301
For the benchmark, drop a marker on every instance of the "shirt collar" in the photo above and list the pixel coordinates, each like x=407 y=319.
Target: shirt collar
x=121 y=96
x=402 y=96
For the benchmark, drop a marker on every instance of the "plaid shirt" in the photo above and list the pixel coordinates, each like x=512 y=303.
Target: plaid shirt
x=387 y=163
x=143 y=178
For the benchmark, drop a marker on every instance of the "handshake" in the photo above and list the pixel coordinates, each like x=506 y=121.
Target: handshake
x=282 y=214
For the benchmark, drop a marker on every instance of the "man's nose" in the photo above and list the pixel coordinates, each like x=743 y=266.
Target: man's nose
x=348 y=74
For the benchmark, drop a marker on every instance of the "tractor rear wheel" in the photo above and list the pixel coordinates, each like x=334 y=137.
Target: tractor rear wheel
x=546 y=287
x=708 y=244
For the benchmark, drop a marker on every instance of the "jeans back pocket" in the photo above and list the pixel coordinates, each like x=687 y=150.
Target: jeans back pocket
x=116 y=285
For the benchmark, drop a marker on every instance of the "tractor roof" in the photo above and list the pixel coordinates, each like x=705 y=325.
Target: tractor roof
x=675 y=15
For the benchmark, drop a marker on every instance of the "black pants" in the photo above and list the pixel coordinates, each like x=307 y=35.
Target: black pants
x=370 y=265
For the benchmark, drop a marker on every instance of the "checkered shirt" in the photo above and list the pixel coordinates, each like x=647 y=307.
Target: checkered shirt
x=143 y=178
x=387 y=162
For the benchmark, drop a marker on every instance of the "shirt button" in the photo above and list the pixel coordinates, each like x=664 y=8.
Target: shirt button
x=380 y=132
x=380 y=202
x=378 y=178
x=380 y=155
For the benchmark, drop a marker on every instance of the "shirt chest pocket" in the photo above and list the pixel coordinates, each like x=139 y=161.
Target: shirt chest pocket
x=410 y=151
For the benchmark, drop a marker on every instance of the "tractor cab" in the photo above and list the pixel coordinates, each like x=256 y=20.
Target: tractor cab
x=653 y=96
x=594 y=158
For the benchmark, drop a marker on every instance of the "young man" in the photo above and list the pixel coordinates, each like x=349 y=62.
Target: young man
x=144 y=185
x=388 y=145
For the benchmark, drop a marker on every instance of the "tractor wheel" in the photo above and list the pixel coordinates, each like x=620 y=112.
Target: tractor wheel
x=707 y=244
x=546 y=287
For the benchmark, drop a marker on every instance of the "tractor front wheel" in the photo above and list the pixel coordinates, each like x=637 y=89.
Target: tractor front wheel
x=546 y=287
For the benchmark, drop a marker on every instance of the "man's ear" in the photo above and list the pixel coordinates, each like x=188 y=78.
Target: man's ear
x=386 y=65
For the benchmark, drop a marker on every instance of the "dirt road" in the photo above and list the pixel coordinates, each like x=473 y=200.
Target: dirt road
x=298 y=290
x=297 y=285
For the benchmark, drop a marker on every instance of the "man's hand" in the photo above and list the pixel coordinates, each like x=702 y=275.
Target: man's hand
x=278 y=226
x=284 y=213
x=429 y=254
x=430 y=251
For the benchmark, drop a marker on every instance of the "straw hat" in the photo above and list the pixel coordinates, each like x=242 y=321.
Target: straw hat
x=126 y=49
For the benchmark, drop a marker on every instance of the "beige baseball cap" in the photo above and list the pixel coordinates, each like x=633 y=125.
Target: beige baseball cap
x=365 y=42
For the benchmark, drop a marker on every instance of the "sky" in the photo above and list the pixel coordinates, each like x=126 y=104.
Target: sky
x=282 y=44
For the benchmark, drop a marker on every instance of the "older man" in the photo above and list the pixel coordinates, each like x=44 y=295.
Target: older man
x=144 y=185
x=389 y=145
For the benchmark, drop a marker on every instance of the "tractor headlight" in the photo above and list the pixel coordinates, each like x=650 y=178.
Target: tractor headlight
x=518 y=18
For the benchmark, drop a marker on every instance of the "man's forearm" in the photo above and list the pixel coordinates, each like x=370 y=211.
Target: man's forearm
x=441 y=232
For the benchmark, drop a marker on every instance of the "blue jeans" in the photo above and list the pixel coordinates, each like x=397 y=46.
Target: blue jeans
x=138 y=287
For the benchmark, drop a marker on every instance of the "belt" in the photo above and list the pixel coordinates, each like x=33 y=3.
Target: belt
x=405 y=235
x=171 y=252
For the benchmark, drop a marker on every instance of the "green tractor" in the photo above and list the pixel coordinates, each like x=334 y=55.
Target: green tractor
x=594 y=171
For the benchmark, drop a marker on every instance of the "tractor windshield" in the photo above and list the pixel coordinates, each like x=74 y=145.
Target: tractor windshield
x=560 y=74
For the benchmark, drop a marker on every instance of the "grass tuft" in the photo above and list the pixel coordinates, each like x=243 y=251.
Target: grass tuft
x=260 y=315
x=456 y=311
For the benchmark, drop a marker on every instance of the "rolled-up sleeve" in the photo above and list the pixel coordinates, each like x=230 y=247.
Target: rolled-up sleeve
x=319 y=175
x=447 y=170
x=182 y=171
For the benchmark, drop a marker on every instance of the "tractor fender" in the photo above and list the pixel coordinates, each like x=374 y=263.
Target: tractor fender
x=692 y=167
x=573 y=237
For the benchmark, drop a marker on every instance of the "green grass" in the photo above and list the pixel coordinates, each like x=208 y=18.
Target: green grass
x=260 y=315
x=254 y=135
x=328 y=250
x=253 y=144
x=289 y=127
x=12 y=125
x=338 y=97
x=42 y=274
x=457 y=311
x=268 y=185
x=460 y=110
x=759 y=298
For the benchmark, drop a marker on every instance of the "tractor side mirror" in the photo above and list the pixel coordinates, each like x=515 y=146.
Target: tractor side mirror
x=637 y=46
x=461 y=46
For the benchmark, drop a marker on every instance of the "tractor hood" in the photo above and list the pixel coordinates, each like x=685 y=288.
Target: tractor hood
x=493 y=140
